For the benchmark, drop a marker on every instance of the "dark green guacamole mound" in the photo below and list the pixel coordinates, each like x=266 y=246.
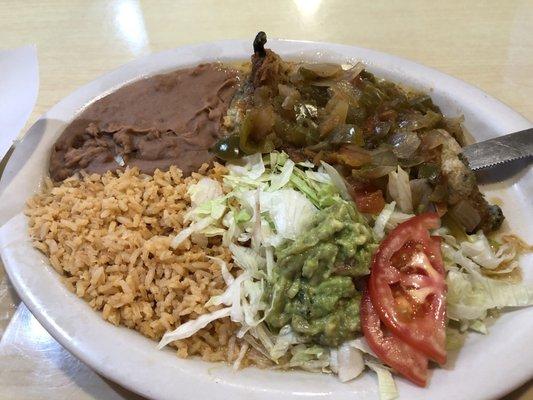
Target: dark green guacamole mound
x=313 y=288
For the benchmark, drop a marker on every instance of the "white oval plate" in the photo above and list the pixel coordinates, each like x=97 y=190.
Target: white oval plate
x=487 y=366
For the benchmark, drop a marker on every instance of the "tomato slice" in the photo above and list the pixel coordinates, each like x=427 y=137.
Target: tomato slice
x=407 y=286
x=403 y=358
x=369 y=202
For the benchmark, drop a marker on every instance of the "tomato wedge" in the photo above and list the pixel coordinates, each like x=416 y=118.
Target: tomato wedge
x=403 y=358
x=408 y=288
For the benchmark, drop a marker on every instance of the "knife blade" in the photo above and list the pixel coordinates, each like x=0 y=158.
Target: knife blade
x=499 y=150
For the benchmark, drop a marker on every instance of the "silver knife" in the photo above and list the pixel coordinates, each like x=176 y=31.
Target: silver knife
x=499 y=150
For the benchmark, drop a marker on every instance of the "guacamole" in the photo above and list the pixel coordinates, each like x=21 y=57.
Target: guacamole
x=313 y=288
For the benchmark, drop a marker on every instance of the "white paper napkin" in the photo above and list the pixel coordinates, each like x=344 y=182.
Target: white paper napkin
x=19 y=86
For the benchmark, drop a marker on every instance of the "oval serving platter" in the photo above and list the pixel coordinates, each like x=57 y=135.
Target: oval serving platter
x=486 y=367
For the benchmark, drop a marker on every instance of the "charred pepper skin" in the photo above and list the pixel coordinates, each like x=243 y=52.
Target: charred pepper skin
x=259 y=44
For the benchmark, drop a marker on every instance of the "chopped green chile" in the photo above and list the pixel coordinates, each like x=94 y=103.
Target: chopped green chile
x=423 y=103
x=319 y=70
x=347 y=133
x=316 y=112
x=429 y=171
x=416 y=121
x=255 y=137
x=227 y=148
x=404 y=144
x=356 y=115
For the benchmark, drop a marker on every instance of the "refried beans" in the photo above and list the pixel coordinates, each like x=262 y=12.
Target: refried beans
x=153 y=123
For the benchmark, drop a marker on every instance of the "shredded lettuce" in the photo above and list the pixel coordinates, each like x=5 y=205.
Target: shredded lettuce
x=454 y=339
x=195 y=227
x=480 y=251
x=478 y=326
x=358 y=354
x=400 y=190
x=231 y=297
x=387 y=387
x=251 y=167
x=382 y=219
x=471 y=293
x=189 y=328
x=285 y=339
x=248 y=260
x=270 y=263
x=246 y=292
x=306 y=164
x=347 y=362
x=214 y=208
x=396 y=218
x=310 y=358
x=226 y=275
x=243 y=296
x=290 y=211
x=337 y=180
x=361 y=344
x=231 y=222
x=277 y=181
x=240 y=357
x=208 y=206
x=205 y=190
x=284 y=213
x=251 y=340
x=388 y=219
x=265 y=337
x=318 y=176
x=252 y=302
x=285 y=194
